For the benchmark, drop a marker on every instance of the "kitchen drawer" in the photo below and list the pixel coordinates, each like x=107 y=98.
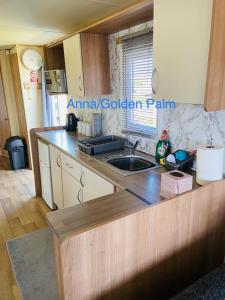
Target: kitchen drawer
x=71 y=166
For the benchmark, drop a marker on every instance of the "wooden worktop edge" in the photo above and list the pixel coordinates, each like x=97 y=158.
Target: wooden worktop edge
x=65 y=223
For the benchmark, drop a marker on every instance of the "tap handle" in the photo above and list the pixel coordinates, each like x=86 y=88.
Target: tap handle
x=135 y=146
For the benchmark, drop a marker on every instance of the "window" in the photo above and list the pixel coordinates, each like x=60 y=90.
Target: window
x=137 y=84
x=58 y=109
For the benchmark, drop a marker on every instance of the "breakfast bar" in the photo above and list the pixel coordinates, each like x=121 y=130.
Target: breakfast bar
x=133 y=242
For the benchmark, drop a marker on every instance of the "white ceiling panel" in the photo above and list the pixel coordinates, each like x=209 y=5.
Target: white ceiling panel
x=10 y=37
x=38 y=22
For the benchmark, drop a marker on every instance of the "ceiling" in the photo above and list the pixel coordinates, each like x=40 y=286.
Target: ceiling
x=39 y=22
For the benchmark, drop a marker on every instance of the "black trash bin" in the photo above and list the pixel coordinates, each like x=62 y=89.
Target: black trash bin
x=16 y=148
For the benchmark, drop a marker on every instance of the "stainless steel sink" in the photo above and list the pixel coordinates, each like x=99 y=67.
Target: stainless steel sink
x=131 y=163
x=125 y=163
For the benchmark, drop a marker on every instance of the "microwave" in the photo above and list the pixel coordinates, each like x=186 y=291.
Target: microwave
x=56 y=81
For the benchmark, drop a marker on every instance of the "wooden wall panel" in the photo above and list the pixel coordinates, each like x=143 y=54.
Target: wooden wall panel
x=215 y=88
x=19 y=102
x=150 y=254
x=131 y=16
x=95 y=58
x=5 y=131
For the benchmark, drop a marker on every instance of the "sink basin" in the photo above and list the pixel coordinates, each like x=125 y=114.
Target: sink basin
x=131 y=163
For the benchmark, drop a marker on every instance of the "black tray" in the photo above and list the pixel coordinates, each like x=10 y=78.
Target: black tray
x=181 y=166
x=101 y=144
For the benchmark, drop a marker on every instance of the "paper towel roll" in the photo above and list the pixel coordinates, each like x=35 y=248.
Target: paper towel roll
x=209 y=164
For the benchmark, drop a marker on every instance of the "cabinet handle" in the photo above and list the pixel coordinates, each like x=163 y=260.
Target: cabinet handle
x=81 y=179
x=154 y=89
x=58 y=164
x=69 y=166
x=80 y=83
x=78 y=196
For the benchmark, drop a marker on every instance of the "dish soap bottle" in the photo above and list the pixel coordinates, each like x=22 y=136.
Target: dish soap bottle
x=163 y=148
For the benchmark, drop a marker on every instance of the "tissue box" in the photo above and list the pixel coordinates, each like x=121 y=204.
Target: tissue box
x=176 y=182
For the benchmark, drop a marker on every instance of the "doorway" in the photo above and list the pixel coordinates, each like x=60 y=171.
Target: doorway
x=5 y=131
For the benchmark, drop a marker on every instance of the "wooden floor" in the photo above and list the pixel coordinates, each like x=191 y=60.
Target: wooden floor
x=19 y=214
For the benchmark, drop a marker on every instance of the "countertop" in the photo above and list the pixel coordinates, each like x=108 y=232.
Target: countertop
x=88 y=215
x=136 y=192
x=146 y=185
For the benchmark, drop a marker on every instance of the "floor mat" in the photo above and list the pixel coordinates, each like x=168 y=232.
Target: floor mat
x=33 y=260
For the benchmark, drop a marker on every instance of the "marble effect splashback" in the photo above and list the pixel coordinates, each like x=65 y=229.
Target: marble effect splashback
x=188 y=125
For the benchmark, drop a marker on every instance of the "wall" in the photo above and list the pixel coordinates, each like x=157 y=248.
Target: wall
x=188 y=125
x=31 y=95
x=31 y=91
x=112 y=118
x=9 y=92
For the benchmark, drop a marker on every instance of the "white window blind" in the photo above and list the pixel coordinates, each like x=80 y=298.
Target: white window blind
x=137 y=71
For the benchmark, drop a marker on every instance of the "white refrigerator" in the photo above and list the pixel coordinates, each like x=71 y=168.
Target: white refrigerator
x=45 y=170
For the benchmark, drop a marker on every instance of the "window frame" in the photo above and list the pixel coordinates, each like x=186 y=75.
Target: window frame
x=130 y=128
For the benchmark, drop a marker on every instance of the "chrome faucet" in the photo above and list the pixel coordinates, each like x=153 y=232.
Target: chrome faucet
x=133 y=150
x=131 y=147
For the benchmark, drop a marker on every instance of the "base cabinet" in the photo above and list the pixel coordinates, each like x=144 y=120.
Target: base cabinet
x=94 y=186
x=72 y=183
x=72 y=190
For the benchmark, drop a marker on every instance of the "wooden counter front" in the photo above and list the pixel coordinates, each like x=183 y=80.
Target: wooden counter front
x=119 y=247
x=89 y=215
x=148 y=254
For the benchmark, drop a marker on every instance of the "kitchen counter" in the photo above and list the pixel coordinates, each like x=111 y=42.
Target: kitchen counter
x=133 y=193
x=121 y=247
x=145 y=185
x=88 y=215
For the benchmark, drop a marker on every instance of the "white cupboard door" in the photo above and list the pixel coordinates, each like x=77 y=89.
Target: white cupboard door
x=72 y=190
x=180 y=49
x=46 y=184
x=55 y=160
x=73 y=64
x=43 y=152
x=94 y=186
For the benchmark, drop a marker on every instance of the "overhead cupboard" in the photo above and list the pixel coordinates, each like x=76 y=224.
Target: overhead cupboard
x=87 y=64
x=188 y=59
x=189 y=52
x=181 y=43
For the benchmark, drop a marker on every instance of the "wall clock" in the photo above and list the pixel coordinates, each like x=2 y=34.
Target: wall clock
x=32 y=60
